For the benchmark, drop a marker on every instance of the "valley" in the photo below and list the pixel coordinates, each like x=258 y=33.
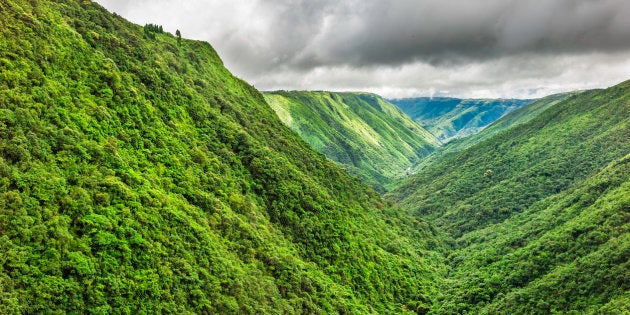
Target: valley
x=370 y=137
x=452 y=118
x=532 y=212
x=139 y=175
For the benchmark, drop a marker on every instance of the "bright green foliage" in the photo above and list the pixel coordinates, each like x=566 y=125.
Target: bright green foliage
x=370 y=137
x=539 y=212
x=137 y=176
x=452 y=118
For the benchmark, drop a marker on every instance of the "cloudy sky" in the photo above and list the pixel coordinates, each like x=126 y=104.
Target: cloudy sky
x=403 y=48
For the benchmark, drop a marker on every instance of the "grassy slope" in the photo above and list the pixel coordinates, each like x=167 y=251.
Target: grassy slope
x=452 y=118
x=372 y=138
x=140 y=176
x=539 y=212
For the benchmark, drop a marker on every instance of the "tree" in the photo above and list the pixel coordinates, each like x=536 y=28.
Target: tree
x=179 y=37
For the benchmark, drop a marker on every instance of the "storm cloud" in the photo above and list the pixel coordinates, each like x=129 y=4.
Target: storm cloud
x=486 y=48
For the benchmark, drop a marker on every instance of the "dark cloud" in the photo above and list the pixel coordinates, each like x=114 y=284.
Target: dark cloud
x=266 y=40
x=458 y=31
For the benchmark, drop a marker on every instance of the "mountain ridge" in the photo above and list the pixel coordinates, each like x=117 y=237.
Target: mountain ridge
x=452 y=118
x=533 y=209
x=370 y=137
x=139 y=175
x=508 y=121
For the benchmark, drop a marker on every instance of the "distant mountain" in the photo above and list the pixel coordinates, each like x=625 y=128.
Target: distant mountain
x=538 y=212
x=453 y=118
x=512 y=119
x=369 y=136
x=139 y=176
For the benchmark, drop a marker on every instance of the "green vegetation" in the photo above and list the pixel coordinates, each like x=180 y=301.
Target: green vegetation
x=515 y=118
x=151 y=29
x=137 y=176
x=566 y=253
x=370 y=137
x=452 y=118
x=538 y=212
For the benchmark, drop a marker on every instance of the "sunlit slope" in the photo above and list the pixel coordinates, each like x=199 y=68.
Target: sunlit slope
x=370 y=137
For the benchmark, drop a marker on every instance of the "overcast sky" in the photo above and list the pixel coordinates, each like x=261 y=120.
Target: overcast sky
x=403 y=48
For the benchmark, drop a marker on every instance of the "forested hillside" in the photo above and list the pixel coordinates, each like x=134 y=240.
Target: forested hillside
x=515 y=118
x=539 y=213
x=137 y=175
x=453 y=118
x=370 y=137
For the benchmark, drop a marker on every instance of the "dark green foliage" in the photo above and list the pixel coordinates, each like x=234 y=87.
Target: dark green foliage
x=137 y=176
x=453 y=118
x=539 y=213
x=151 y=29
x=569 y=252
x=367 y=135
x=564 y=144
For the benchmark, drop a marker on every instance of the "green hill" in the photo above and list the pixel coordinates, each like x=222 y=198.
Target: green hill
x=137 y=175
x=512 y=119
x=538 y=212
x=370 y=137
x=453 y=118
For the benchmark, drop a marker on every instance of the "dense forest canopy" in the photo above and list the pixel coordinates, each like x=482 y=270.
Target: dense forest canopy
x=538 y=211
x=138 y=175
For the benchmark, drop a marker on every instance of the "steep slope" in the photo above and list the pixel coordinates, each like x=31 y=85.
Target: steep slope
x=538 y=213
x=369 y=136
x=567 y=252
x=515 y=118
x=453 y=118
x=137 y=175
